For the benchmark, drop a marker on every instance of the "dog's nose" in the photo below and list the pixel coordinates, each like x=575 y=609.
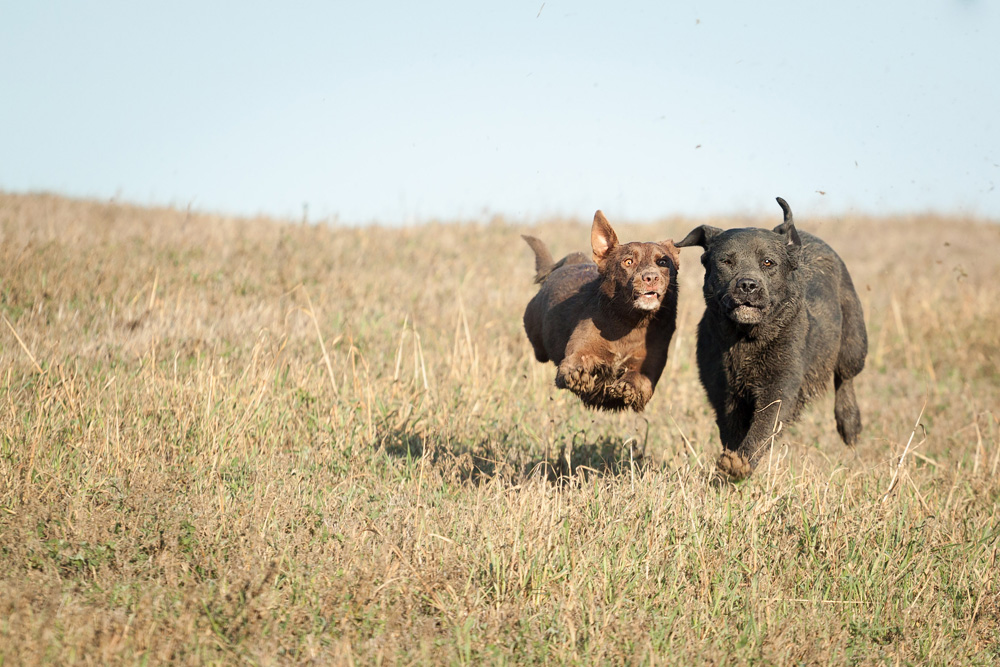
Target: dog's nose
x=651 y=277
x=748 y=285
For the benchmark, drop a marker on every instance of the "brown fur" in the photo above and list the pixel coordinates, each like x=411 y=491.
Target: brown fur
x=606 y=324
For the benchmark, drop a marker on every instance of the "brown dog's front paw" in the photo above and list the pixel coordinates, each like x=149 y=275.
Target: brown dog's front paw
x=578 y=380
x=733 y=466
x=629 y=395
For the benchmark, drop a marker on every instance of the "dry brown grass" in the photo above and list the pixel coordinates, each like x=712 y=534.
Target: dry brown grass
x=246 y=441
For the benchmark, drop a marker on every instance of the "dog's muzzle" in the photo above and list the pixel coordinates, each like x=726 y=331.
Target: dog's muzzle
x=648 y=291
x=746 y=301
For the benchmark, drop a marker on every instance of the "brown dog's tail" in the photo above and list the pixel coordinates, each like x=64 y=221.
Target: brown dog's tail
x=544 y=266
x=543 y=258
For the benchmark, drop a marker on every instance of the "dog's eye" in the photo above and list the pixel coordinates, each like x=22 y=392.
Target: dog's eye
x=768 y=263
x=627 y=262
x=663 y=261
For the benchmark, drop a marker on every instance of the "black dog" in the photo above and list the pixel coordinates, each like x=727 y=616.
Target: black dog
x=781 y=317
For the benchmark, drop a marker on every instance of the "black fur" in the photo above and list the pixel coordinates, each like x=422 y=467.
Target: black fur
x=781 y=318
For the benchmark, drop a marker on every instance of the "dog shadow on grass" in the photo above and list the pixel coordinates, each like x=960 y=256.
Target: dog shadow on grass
x=577 y=460
x=567 y=460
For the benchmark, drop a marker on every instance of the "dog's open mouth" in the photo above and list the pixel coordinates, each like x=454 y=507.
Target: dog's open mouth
x=648 y=300
x=746 y=313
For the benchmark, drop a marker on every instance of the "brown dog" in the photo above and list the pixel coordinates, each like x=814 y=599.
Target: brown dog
x=606 y=326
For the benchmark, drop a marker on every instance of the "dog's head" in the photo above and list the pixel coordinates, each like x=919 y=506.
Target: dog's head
x=634 y=276
x=748 y=272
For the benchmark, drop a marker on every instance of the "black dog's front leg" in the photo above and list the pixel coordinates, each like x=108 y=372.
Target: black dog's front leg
x=772 y=408
x=734 y=419
x=733 y=411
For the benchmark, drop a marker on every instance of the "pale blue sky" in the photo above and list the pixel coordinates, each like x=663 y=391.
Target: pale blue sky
x=408 y=111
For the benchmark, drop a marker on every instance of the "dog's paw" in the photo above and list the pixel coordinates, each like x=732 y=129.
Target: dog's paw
x=579 y=380
x=629 y=395
x=733 y=466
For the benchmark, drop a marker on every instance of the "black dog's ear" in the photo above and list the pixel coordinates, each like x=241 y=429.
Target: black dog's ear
x=701 y=235
x=602 y=238
x=787 y=227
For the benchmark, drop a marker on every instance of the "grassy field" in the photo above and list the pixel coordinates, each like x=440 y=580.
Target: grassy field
x=229 y=440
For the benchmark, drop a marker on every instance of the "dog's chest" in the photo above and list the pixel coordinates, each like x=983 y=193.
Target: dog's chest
x=748 y=366
x=628 y=349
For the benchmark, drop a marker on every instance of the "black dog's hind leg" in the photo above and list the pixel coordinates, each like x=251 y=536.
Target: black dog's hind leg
x=845 y=410
x=850 y=361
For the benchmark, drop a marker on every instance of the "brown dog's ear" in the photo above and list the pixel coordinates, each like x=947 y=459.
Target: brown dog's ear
x=602 y=238
x=673 y=251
